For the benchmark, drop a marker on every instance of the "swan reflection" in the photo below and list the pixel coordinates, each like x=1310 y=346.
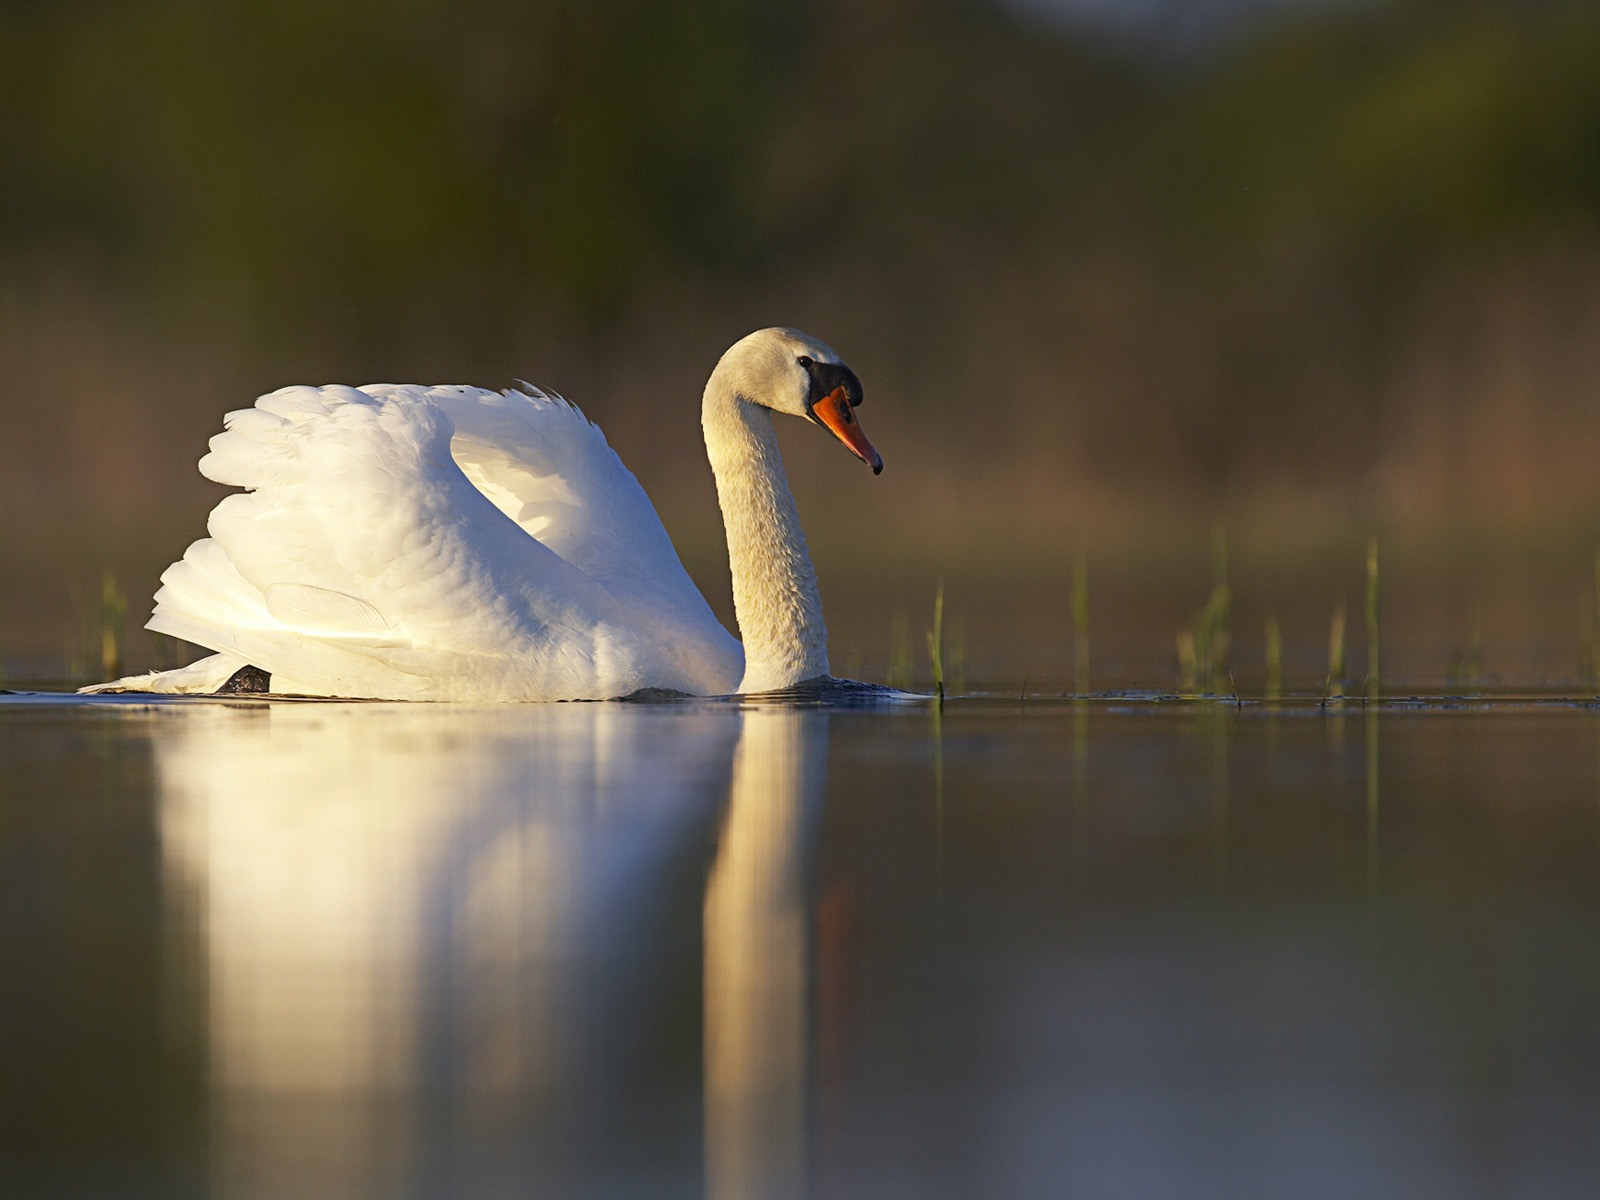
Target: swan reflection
x=460 y=949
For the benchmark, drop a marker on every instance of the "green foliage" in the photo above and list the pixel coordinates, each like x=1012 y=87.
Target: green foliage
x=299 y=158
x=1395 y=127
x=336 y=151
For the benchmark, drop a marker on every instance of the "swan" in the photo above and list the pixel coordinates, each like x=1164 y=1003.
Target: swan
x=452 y=543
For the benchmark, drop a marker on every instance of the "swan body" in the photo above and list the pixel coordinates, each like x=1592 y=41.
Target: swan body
x=452 y=543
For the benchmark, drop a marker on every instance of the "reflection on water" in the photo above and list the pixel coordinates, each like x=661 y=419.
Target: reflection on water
x=410 y=932
x=360 y=950
x=1370 y=728
x=756 y=960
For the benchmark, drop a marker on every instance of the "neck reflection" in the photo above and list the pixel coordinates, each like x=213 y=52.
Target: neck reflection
x=757 y=959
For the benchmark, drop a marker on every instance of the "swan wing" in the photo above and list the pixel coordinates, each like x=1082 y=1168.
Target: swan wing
x=362 y=561
x=547 y=467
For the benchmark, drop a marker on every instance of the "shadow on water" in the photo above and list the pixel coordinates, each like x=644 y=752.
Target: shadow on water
x=782 y=948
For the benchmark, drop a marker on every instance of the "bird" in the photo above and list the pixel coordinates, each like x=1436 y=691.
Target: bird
x=408 y=542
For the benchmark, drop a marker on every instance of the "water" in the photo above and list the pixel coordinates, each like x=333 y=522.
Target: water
x=1127 y=948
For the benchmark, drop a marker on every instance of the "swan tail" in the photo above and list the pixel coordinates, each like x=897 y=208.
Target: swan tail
x=203 y=677
x=203 y=599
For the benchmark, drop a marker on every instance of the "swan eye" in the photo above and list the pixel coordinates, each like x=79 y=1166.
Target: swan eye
x=805 y=361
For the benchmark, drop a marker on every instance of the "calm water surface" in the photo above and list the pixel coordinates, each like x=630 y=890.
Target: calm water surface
x=1126 y=948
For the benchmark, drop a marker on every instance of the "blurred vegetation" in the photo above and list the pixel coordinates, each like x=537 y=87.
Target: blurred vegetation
x=298 y=158
x=1345 y=262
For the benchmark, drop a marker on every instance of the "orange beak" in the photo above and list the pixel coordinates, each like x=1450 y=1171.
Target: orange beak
x=835 y=413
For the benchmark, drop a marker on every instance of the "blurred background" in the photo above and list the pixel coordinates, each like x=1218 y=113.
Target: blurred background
x=1127 y=284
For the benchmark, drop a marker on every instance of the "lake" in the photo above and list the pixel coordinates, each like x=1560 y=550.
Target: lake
x=1132 y=946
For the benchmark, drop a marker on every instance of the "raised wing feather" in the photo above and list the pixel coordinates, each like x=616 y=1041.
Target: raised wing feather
x=549 y=469
x=364 y=562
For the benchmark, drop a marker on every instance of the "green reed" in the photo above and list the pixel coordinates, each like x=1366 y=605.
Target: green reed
x=899 y=672
x=96 y=637
x=1372 y=619
x=1334 y=685
x=955 y=656
x=1203 y=646
x=113 y=620
x=1593 y=622
x=1274 y=657
x=1466 y=665
x=936 y=641
x=1080 y=624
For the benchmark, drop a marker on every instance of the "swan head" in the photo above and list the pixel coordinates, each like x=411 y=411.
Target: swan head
x=792 y=372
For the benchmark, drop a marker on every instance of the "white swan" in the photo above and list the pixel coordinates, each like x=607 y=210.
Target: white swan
x=450 y=543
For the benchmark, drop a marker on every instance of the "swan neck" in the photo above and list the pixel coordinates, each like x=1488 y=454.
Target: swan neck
x=775 y=593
